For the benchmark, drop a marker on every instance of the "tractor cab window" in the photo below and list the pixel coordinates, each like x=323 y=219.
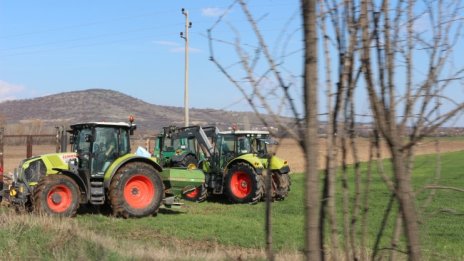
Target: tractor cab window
x=81 y=145
x=168 y=146
x=243 y=145
x=178 y=144
x=124 y=142
x=227 y=145
x=105 y=148
x=225 y=148
x=261 y=146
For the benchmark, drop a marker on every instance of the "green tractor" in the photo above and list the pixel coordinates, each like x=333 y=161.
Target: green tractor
x=101 y=171
x=181 y=147
x=235 y=165
x=177 y=147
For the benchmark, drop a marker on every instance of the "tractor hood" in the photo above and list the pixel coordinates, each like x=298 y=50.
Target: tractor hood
x=31 y=169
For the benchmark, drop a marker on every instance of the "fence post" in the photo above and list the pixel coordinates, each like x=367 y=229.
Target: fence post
x=29 y=146
x=147 y=144
x=1 y=161
x=1 y=149
x=57 y=140
x=61 y=139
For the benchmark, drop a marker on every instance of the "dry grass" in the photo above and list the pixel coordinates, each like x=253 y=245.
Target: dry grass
x=61 y=231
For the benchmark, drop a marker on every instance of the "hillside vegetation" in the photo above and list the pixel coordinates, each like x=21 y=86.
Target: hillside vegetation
x=109 y=105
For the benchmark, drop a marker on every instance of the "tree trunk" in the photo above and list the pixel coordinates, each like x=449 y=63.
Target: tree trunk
x=313 y=246
x=406 y=200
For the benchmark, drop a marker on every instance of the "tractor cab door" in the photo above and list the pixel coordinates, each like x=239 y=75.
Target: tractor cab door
x=158 y=147
x=109 y=144
x=224 y=151
x=82 y=146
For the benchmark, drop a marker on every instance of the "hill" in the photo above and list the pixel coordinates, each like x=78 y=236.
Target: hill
x=108 y=105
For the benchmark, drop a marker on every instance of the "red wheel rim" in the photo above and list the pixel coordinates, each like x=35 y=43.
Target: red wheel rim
x=139 y=191
x=240 y=184
x=59 y=198
x=193 y=194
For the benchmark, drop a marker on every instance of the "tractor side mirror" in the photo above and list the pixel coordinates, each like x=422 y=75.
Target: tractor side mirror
x=89 y=138
x=71 y=139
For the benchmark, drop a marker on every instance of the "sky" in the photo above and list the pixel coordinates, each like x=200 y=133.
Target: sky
x=134 y=47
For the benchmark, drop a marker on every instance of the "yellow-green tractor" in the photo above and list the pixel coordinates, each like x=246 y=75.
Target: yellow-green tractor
x=238 y=163
x=100 y=171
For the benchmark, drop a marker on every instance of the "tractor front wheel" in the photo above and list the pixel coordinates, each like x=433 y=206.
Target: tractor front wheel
x=136 y=190
x=56 y=195
x=281 y=185
x=243 y=185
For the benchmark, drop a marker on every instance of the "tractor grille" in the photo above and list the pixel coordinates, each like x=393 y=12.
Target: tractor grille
x=35 y=171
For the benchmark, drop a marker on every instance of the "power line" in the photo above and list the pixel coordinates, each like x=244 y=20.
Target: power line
x=63 y=28
x=89 y=37
x=81 y=45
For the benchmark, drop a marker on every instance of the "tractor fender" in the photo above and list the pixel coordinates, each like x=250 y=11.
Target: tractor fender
x=253 y=161
x=117 y=164
x=279 y=165
x=80 y=182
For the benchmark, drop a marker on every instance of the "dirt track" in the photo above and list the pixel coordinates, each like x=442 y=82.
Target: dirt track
x=288 y=149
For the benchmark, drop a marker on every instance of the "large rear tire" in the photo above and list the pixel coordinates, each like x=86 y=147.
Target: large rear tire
x=243 y=185
x=56 y=195
x=136 y=190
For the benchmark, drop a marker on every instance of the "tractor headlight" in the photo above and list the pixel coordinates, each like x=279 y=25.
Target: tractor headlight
x=13 y=192
x=16 y=175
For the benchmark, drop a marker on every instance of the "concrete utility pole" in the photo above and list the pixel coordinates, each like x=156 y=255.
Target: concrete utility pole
x=186 y=38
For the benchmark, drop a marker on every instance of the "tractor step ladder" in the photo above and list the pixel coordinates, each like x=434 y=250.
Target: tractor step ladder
x=97 y=192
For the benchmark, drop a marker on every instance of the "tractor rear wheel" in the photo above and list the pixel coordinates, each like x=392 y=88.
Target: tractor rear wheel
x=281 y=185
x=136 y=190
x=243 y=185
x=56 y=195
x=199 y=194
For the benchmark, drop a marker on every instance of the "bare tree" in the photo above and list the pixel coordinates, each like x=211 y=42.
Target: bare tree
x=379 y=49
x=313 y=236
x=392 y=45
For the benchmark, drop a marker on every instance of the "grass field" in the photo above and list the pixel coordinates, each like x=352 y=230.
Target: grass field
x=215 y=230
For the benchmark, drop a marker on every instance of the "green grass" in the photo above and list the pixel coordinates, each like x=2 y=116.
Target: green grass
x=214 y=224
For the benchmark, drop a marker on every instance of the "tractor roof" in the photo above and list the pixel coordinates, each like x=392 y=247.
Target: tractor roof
x=245 y=132
x=102 y=124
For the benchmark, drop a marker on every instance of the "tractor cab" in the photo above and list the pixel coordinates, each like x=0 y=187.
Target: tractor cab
x=98 y=144
x=232 y=144
x=183 y=146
